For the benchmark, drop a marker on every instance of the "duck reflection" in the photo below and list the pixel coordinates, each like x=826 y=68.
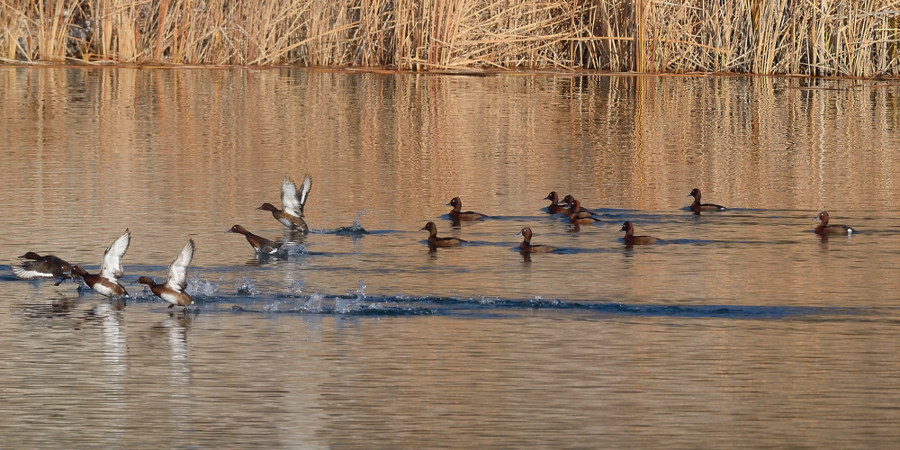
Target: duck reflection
x=60 y=307
x=115 y=346
x=175 y=329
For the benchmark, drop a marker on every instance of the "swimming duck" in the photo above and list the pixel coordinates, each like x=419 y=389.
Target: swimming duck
x=107 y=282
x=172 y=290
x=292 y=203
x=47 y=266
x=696 y=206
x=555 y=207
x=824 y=228
x=457 y=214
x=526 y=246
x=569 y=200
x=631 y=239
x=435 y=241
x=259 y=243
x=576 y=218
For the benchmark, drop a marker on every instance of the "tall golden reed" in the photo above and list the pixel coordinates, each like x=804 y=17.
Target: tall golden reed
x=816 y=37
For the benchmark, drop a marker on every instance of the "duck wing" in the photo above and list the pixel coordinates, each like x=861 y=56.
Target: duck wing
x=30 y=270
x=267 y=246
x=304 y=191
x=178 y=270
x=713 y=206
x=111 y=268
x=292 y=201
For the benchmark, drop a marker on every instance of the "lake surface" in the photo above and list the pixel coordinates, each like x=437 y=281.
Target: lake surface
x=739 y=329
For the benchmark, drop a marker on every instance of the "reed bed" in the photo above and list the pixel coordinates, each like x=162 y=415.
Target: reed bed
x=810 y=37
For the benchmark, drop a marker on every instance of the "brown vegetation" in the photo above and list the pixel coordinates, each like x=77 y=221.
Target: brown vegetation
x=824 y=37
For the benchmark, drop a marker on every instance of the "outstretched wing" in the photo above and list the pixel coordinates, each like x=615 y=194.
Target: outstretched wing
x=178 y=270
x=304 y=192
x=27 y=271
x=111 y=268
x=292 y=201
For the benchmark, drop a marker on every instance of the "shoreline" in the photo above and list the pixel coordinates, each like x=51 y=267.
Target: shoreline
x=475 y=72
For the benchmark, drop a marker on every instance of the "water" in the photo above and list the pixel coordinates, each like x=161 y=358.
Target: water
x=740 y=329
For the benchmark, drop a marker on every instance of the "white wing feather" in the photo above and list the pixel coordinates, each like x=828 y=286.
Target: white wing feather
x=111 y=268
x=27 y=274
x=304 y=192
x=178 y=270
x=291 y=201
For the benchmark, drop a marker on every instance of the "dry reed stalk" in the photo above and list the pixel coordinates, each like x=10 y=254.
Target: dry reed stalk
x=816 y=37
x=533 y=34
x=640 y=36
x=49 y=17
x=12 y=28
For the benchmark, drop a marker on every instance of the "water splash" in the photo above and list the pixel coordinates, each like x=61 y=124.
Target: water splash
x=353 y=302
x=80 y=285
x=245 y=286
x=346 y=305
x=296 y=289
x=361 y=292
x=353 y=230
x=292 y=250
x=538 y=302
x=314 y=303
x=197 y=286
x=489 y=300
x=272 y=307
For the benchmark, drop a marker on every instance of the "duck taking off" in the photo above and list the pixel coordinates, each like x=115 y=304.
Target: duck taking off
x=292 y=203
x=107 y=281
x=172 y=290
x=47 y=266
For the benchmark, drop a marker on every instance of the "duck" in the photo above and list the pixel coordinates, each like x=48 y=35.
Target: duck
x=576 y=218
x=172 y=290
x=825 y=229
x=435 y=241
x=457 y=214
x=107 y=281
x=259 y=243
x=555 y=207
x=47 y=266
x=526 y=247
x=631 y=239
x=292 y=202
x=569 y=200
x=697 y=207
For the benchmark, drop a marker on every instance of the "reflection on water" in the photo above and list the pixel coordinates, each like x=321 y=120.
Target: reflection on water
x=741 y=328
